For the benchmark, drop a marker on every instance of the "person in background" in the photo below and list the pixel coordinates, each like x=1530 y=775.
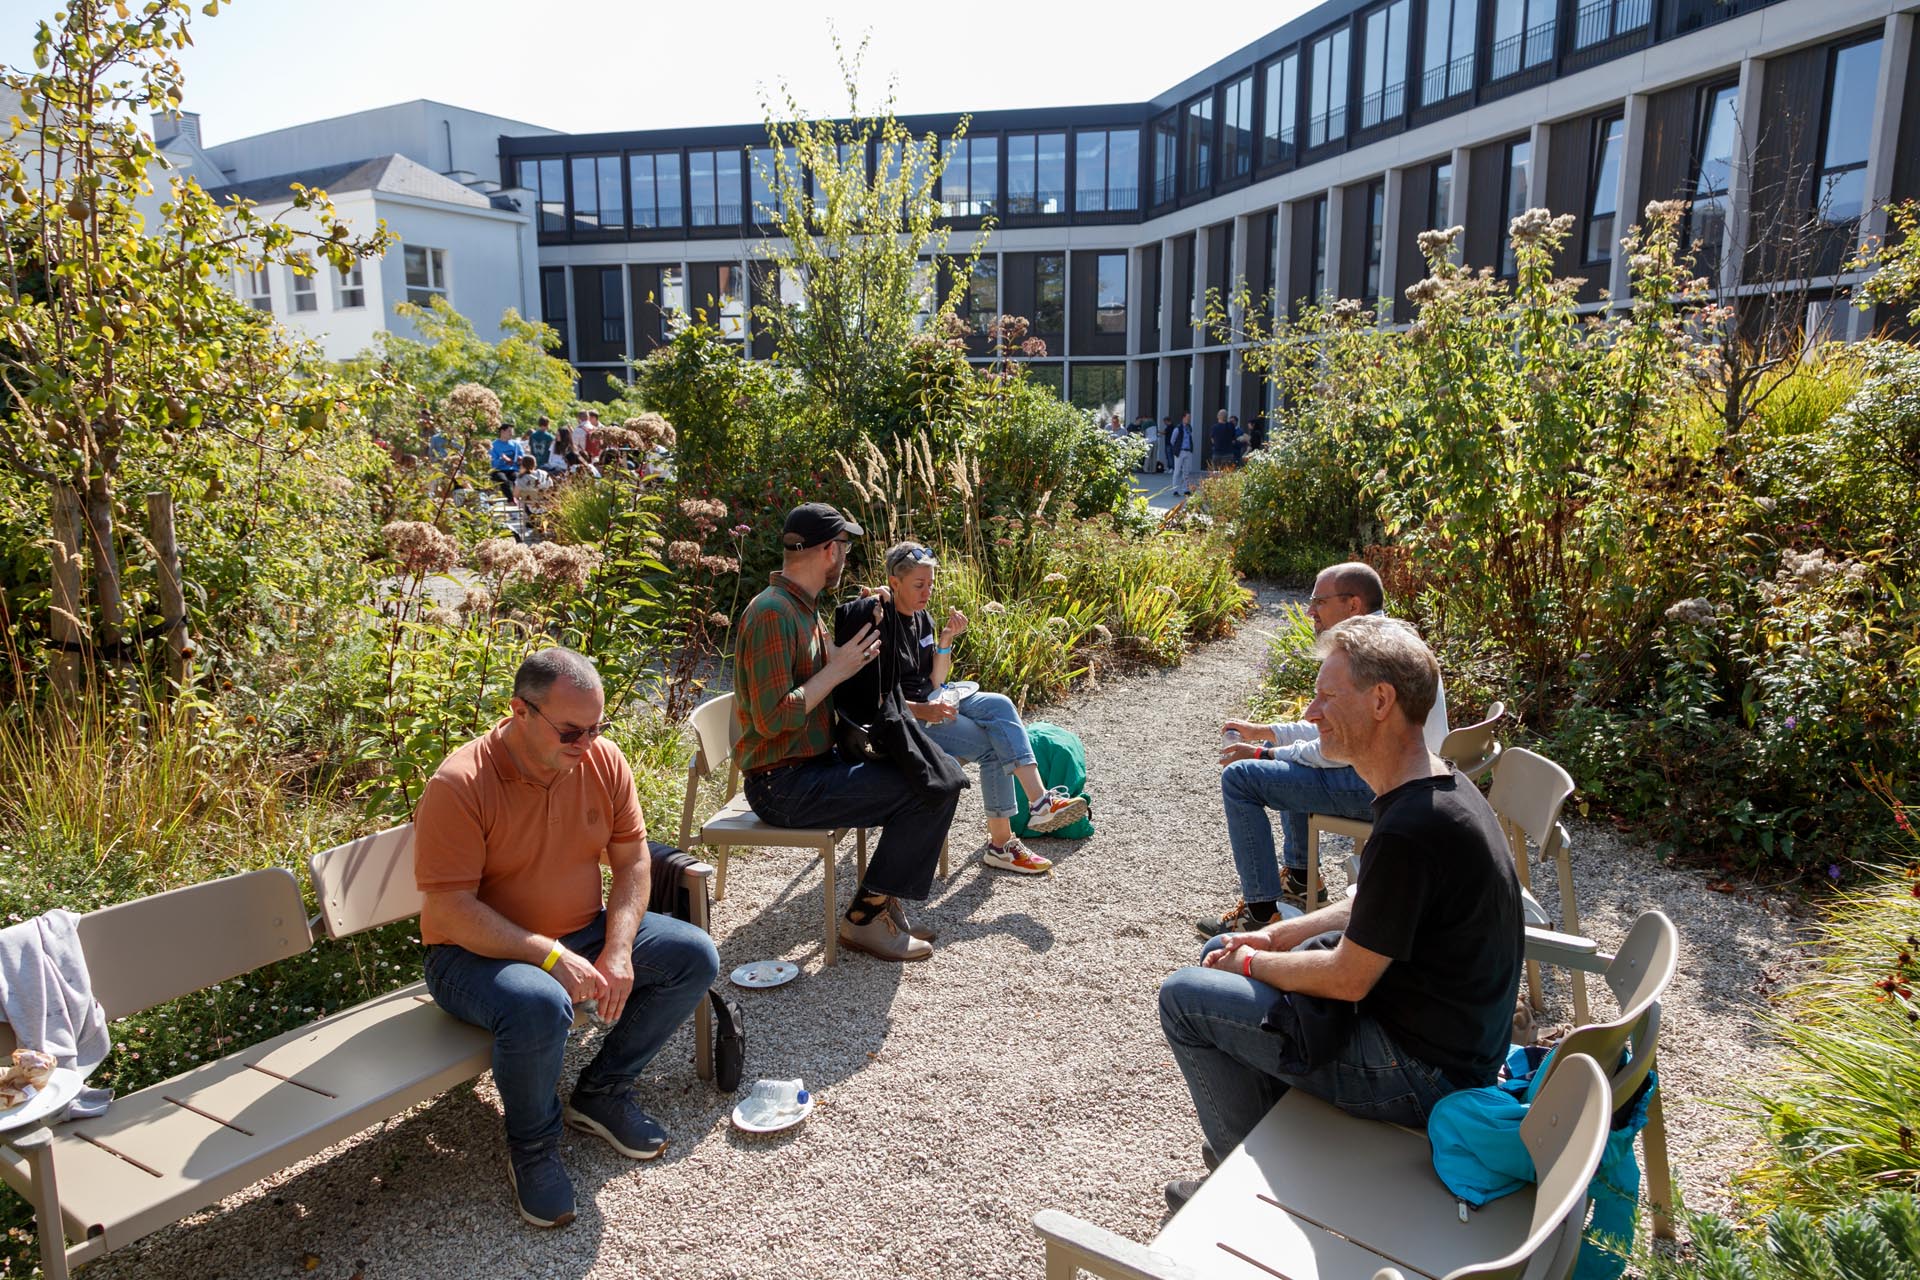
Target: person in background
x=1180 y=444
x=504 y=456
x=540 y=440
x=579 y=433
x=981 y=728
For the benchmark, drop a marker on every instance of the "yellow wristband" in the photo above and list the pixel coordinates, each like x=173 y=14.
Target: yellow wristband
x=553 y=958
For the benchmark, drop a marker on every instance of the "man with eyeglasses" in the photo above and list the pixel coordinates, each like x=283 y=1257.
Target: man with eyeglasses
x=785 y=671
x=509 y=838
x=1280 y=767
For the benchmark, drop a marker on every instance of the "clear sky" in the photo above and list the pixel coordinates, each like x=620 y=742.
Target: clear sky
x=583 y=65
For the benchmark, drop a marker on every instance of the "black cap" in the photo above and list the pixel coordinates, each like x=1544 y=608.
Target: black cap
x=814 y=523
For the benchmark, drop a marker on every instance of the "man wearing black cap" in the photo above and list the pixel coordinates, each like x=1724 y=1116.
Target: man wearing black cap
x=785 y=671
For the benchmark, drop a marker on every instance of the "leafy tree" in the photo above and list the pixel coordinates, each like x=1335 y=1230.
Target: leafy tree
x=124 y=360
x=448 y=352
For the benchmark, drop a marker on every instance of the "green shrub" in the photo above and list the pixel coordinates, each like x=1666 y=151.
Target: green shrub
x=1875 y=1240
x=1293 y=507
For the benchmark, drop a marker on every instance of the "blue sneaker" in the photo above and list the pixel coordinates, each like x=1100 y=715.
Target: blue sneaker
x=541 y=1189
x=617 y=1118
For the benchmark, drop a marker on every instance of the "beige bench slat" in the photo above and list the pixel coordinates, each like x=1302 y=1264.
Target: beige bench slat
x=322 y=1083
x=1226 y=1223
x=151 y=950
x=1310 y=1156
x=366 y=883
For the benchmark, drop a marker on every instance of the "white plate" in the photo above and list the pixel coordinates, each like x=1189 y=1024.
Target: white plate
x=764 y=973
x=60 y=1089
x=741 y=1123
x=957 y=691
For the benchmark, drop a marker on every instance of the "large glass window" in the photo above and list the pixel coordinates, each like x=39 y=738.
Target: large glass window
x=654 y=182
x=1106 y=170
x=613 y=307
x=1440 y=197
x=1327 y=98
x=1236 y=127
x=302 y=293
x=1110 y=293
x=1840 y=194
x=1376 y=239
x=1036 y=173
x=1197 y=170
x=1522 y=35
x=1165 y=160
x=1383 y=70
x=1513 y=198
x=597 y=195
x=553 y=303
x=1282 y=105
x=673 y=299
x=713 y=187
x=764 y=176
x=547 y=180
x=350 y=288
x=1446 y=62
x=1713 y=174
x=970 y=185
x=1598 y=20
x=426 y=273
x=256 y=289
x=983 y=294
x=728 y=308
x=1049 y=293
x=1101 y=388
x=1603 y=191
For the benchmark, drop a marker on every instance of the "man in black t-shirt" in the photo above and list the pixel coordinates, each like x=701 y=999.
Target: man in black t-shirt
x=1385 y=1003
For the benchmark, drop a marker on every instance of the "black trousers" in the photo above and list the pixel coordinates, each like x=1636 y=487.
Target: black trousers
x=828 y=792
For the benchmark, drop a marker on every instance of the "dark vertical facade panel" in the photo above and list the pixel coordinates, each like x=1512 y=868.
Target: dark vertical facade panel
x=1300 y=255
x=649 y=332
x=1178 y=307
x=591 y=319
x=1180 y=388
x=1350 y=280
x=1569 y=170
x=1209 y=398
x=1786 y=149
x=1416 y=191
x=1016 y=293
x=1219 y=262
x=1259 y=278
x=1083 y=300
x=763 y=290
x=1906 y=163
x=1486 y=170
x=703 y=292
x=1143 y=307
x=1666 y=165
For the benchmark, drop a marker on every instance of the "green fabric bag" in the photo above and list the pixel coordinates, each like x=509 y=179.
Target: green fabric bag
x=1063 y=763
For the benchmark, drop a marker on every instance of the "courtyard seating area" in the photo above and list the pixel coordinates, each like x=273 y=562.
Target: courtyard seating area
x=1021 y=1072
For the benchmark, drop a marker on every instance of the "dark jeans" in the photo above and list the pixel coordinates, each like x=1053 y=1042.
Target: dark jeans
x=505 y=480
x=1212 y=1020
x=529 y=1014
x=828 y=792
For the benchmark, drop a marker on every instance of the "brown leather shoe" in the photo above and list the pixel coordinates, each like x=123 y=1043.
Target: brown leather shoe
x=898 y=914
x=882 y=939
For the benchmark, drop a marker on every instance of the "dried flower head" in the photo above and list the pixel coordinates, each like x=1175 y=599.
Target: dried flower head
x=420 y=548
x=477 y=600
x=683 y=553
x=474 y=405
x=1054 y=578
x=1439 y=243
x=654 y=431
x=718 y=621
x=1693 y=612
x=1425 y=290
x=503 y=556
x=1034 y=348
x=569 y=566
x=1102 y=633
x=993 y=607
x=618 y=438
x=445 y=619
x=1057 y=623
x=718 y=566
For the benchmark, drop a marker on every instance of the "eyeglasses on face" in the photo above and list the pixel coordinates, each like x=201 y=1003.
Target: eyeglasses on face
x=1318 y=602
x=569 y=736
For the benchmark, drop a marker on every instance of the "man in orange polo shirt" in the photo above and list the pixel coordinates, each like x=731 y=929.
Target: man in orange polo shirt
x=509 y=838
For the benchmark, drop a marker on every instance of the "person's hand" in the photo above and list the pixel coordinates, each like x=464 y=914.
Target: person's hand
x=933 y=712
x=615 y=970
x=1233 y=751
x=1227 y=956
x=956 y=626
x=845 y=659
x=882 y=594
x=1248 y=730
x=580 y=978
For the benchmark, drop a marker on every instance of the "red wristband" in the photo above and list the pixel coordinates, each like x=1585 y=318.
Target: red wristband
x=1246 y=964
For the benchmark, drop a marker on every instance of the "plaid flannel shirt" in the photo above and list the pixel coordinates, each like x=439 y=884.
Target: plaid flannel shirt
x=780 y=646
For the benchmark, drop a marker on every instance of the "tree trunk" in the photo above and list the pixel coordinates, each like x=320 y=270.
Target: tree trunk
x=106 y=566
x=69 y=558
x=173 y=599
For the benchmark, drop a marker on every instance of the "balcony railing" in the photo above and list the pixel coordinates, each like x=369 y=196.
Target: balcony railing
x=1515 y=53
x=1441 y=83
x=1605 y=19
x=1388 y=104
x=1164 y=190
x=1328 y=124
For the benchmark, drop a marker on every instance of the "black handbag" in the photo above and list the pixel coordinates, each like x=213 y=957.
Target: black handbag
x=854 y=740
x=671 y=896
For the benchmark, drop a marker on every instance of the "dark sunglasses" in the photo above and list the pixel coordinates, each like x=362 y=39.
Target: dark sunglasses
x=570 y=736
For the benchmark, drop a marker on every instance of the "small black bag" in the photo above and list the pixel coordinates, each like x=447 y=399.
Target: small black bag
x=670 y=896
x=855 y=740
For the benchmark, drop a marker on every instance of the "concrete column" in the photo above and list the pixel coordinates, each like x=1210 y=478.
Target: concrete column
x=1896 y=59
x=1243 y=226
x=1136 y=305
x=1390 y=243
x=1541 y=140
x=626 y=310
x=1282 y=263
x=573 y=318
x=1457 y=198
x=1632 y=157
x=1747 y=127
x=1202 y=272
x=1132 y=390
x=1169 y=302
x=1163 y=397
x=1336 y=216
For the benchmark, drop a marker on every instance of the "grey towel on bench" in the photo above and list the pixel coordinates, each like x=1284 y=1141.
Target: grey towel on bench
x=46 y=994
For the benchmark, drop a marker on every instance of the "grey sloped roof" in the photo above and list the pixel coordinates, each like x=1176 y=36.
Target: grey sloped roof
x=394 y=174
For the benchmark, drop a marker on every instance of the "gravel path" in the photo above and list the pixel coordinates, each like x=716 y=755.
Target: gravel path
x=1022 y=1068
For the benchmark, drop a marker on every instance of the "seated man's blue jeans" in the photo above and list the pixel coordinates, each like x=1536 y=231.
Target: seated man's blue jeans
x=529 y=1014
x=988 y=732
x=1248 y=788
x=1212 y=1022
x=828 y=792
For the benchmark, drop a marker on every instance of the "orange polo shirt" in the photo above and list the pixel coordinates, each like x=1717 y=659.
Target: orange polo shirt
x=532 y=853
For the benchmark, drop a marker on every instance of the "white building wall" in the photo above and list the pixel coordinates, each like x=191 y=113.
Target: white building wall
x=443 y=138
x=485 y=248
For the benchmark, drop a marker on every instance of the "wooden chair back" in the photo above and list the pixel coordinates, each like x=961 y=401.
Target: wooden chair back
x=366 y=883
x=155 y=949
x=1566 y=1133
x=1473 y=748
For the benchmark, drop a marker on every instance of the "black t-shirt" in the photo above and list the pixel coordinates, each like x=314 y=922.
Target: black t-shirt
x=913 y=642
x=1438 y=895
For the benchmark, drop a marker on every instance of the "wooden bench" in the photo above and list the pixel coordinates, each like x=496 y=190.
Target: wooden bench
x=174 y=1148
x=1316 y=1194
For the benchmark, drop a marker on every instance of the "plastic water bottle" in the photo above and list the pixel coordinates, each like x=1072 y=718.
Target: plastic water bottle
x=1228 y=737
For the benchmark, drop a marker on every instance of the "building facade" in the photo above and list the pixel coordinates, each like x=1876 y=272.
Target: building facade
x=1305 y=164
